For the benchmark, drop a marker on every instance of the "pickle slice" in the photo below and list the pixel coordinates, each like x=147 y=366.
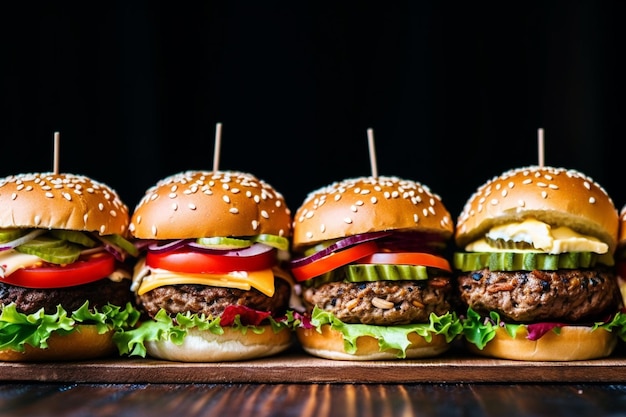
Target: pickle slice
x=278 y=242
x=7 y=235
x=121 y=242
x=371 y=273
x=223 y=242
x=55 y=251
x=74 y=236
x=527 y=261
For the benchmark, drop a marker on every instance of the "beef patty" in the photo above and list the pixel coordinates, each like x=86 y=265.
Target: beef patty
x=382 y=303
x=530 y=296
x=211 y=301
x=98 y=293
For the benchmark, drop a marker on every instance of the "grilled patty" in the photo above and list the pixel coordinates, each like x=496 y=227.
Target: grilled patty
x=98 y=293
x=530 y=296
x=381 y=302
x=211 y=301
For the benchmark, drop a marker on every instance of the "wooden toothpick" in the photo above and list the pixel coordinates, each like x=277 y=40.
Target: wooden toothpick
x=540 y=147
x=216 y=150
x=57 y=143
x=370 y=137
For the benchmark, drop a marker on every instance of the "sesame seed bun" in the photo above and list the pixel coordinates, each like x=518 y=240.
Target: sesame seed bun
x=556 y=196
x=83 y=343
x=204 y=204
x=61 y=201
x=368 y=204
x=572 y=343
x=232 y=345
x=329 y=343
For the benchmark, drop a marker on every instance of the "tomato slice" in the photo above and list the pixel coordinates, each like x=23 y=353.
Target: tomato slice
x=85 y=270
x=197 y=262
x=407 y=258
x=333 y=261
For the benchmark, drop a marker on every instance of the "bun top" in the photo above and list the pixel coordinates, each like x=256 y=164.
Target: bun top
x=196 y=204
x=369 y=204
x=556 y=196
x=61 y=201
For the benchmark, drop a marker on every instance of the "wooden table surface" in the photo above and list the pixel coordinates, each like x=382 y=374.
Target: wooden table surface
x=302 y=400
x=295 y=384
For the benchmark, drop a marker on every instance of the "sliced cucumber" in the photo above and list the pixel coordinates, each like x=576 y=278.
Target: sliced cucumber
x=527 y=261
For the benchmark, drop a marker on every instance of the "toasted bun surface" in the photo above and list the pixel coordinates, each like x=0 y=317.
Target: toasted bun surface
x=232 y=345
x=83 y=343
x=329 y=344
x=368 y=204
x=571 y=344
x=622 y=227
x=557 y=196
x=204 y=204
x=61 y=201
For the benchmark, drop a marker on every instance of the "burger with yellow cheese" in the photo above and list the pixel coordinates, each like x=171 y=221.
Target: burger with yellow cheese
x=210 y=279
x=64 y=275
x=535 y=267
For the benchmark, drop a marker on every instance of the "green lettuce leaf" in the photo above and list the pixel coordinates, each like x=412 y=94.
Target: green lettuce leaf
x=389 y=337
x=480 y=330
x=163 y=327
x=18 y=329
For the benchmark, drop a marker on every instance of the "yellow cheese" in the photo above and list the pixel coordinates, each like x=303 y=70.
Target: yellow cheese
x=262 y=280
x=541 y=236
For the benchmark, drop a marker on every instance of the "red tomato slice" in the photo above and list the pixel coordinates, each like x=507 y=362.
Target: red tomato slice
x=83 y=271
x=197 y=262
x=333 y=261
x=407 y=258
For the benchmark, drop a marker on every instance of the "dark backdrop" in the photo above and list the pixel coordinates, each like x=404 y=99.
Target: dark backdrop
x=455 y=91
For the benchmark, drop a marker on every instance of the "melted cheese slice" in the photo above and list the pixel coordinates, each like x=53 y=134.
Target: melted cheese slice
x=542 y=237
x=12 y=260
x=146 y=279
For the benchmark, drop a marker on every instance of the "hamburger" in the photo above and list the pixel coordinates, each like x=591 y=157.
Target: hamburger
x=64 y=275
x=535 y=267
x=210 y=279
x=369 y=259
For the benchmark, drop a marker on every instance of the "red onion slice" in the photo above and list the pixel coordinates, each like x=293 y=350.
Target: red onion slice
x=341 y=244
x=155 y=247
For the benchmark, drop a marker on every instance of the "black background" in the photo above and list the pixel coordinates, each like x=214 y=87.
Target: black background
x=454 y=91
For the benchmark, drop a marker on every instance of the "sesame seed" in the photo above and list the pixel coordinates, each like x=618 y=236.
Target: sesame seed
x=154 y=230
x=255 y=224
x=544 y=194
x=13 y=196
x=100 y=206
x=226 y=199
x=175 y=206
x=264 y=214
x=592 y=200
x=233 y=210
x=191 y=206
x=67 y=196
x=322 y=228
x=113 y=213
x=49 y=195
x=309 y=235
x=347 y=220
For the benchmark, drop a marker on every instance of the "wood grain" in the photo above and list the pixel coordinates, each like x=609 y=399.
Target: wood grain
x=297 y=367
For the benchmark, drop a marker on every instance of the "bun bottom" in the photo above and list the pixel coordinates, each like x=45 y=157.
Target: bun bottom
x=329 y=344
x=232 y=345
x=83 y=343
x=570 y=344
